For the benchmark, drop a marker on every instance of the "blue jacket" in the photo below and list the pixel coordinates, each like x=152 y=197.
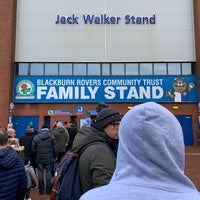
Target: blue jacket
x=13 y=181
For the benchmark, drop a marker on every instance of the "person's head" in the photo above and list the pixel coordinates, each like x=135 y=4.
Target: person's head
x=150 y=137
x=30 y=128
x=11 y=133
x=3 y=138
x=109 y=120
x=13 y=142
x=9 y=125
x=60 y=124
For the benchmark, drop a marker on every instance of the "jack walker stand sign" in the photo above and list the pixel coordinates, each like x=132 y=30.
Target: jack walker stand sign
x=34 y=89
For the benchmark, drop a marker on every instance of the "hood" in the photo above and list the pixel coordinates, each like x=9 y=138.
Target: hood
x=87 y=135
x=8 y=158
x=44 y=134
x=60 y=130
x=151 y=149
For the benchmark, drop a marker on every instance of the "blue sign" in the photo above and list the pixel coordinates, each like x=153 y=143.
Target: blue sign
x=79 y=109
x=61 y=112
x=63 y=89
x=92 y=112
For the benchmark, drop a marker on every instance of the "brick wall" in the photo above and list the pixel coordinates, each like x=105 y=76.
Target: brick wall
x=196 y=4
x=7 y=44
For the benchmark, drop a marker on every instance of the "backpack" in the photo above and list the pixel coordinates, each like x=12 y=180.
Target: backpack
x=66 y=184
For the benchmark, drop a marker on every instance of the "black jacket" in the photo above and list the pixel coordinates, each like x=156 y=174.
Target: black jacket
x=45 y=147
x=26 y=141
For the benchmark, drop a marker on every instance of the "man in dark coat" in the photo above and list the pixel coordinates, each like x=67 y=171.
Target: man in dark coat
x=45 y=147
x=72 y=130
x=13 y=181
x=26 y=141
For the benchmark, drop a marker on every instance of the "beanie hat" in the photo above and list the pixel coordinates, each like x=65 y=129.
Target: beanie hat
x=101 y=106
x=107 y=116
x=30 y=126
x=87 y=122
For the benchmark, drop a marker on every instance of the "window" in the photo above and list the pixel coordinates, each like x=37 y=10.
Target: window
x=186 y=69
x=94 y=69
x=79 y=69
x=23 y=69
x=104 y=69
x=146 y=69
x=51 y=69
x=65 y=69
x=37 y=69
x=132 y=69
x=174 y=69
x=160 y=69
x=117 y=69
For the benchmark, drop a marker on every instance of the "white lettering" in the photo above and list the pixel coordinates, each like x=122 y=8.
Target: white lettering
x=109 y=92
x=83 y=94
x=145 y=92
x=76 y=96
x=41 y=91
x=93 y=92
x=157 y=92
x=121 y=91
x=132 y=93
x=52 y=93
x=66 y=94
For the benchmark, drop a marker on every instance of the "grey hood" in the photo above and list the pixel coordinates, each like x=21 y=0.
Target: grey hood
x=150 y=160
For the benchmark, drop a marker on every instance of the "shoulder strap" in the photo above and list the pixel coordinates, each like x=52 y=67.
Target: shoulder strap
x=89 y=144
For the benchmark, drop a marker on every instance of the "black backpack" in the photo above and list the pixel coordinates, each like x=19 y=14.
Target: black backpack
x=66 y=184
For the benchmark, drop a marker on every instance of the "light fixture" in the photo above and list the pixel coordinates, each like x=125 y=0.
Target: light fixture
x=175 y=107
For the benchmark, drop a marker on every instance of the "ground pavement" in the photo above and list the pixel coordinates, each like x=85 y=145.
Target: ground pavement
x=192 y=169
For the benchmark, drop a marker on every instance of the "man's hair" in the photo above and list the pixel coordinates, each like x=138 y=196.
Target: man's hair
x=60 y=123
x=45 y=126
x=11 y=132
x=3 y=137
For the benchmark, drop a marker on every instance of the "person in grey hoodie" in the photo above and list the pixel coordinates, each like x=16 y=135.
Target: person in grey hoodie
x=31 y=177
x=150 y=159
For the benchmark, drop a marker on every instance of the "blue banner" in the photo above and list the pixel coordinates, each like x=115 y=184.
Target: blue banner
x=51 y=89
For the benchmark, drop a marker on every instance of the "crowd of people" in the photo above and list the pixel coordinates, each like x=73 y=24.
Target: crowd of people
x=136 y=156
